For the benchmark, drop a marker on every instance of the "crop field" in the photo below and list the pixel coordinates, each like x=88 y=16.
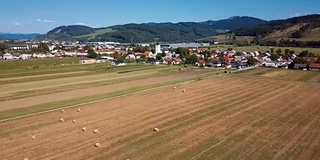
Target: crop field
x=35 y=68
x=18 y=79
x=96 y=33
x=220 y=117
x=285 y=74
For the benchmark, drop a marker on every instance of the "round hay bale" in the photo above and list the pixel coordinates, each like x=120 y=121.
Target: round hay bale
x=96 y=131
x=97 y=145
x=156 y=129
x=174 y=87
x=62 y=111
x=78 y=110
x=61 y=120
x=84 y=129
x=33 y=137
x=74 y=121
x=183 y=90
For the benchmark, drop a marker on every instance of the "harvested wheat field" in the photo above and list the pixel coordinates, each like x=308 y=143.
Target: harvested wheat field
x=225 y=117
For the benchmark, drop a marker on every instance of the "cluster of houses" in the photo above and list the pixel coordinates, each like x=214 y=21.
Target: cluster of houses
x=108 y=50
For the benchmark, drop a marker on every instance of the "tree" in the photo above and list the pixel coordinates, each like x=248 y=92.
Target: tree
x=3 y=47
x=192 y=59
x=130 y=60
x=206 y=54
x=221 y=59
x=274 y=56
x=305 y=54
x=286 y=52
x=238 y=54
x=142 y=59
x=318 y=59
x=279 y=51
x=252 y=61
x=163 y=54
x=43 y=47
x=291 y=52
x=181 y=50
x=272 y=50
x=88 y=47
x=119 y=57
x=300 y=61
x=130 y=52
x=159 y=57
x=92 y=53
x=141 y=49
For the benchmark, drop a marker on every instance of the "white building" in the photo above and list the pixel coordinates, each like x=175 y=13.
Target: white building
x=7 y=56
x=158 y=49
x=131 y=56
x=51 y=48
x=19 y=47
x=25 y=56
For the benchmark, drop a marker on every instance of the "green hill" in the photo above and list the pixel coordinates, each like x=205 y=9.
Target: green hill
x=303 y=31
x=151 y=32
x=297 y=27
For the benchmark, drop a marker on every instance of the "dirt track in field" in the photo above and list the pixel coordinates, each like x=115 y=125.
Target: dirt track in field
x=315 y=79
x=42 y=75
x=218 y=118
x=256 y=71
x=60 y=96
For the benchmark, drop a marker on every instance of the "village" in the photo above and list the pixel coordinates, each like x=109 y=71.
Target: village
x=194 y=54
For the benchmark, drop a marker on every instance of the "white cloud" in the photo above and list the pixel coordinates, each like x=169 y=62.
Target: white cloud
x=48 y=21
x=83 y=24
x=296 y=14
x=17 y=24
x=45 y=21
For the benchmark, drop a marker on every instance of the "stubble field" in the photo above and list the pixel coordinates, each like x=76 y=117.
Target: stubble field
x=223 y=117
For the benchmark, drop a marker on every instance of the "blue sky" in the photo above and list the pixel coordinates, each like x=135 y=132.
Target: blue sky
x=40 y=16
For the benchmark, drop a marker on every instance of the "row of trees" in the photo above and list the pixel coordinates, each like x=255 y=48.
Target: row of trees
x=42 y=48
x=3 y=48
x=291 y=43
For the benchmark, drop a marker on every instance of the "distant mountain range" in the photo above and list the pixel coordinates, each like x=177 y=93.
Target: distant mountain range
x=235 y=29
x=10 y=36
x=303 y=28
x=152 y=32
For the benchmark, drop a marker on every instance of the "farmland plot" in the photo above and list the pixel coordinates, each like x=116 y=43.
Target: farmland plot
x=226 y=117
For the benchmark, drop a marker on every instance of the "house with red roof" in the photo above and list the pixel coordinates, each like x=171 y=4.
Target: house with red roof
x=176 y=61
x=314 y=66
x=105 y=51
x=228 y=59
x=150 y=54
x=201 y=63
